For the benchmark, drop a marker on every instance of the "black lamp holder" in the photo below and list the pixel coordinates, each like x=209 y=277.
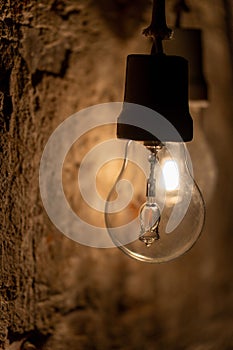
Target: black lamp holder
x=159 y=82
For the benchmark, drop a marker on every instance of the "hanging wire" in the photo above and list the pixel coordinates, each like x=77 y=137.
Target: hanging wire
x=158 y=29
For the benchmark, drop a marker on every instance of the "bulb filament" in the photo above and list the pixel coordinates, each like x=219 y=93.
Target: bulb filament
x=149 y=213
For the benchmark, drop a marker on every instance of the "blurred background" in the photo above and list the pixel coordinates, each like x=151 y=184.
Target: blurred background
x=58 y=57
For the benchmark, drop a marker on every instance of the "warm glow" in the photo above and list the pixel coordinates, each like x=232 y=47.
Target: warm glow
x=170 y=175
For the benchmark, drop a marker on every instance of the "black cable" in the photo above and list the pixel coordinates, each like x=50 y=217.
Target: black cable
x=158 y=29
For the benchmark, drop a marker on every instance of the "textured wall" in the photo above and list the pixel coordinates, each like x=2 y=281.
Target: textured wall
x=58 y=57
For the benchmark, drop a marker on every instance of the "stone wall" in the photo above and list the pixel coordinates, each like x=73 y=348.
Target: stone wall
x=58 y=57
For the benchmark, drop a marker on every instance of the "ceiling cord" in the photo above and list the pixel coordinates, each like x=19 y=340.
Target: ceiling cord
x=158 y=29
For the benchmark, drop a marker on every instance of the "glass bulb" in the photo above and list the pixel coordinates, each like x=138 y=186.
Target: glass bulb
x=163 y=210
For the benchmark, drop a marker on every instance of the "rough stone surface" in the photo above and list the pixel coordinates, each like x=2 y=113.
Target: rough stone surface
x=58 y=57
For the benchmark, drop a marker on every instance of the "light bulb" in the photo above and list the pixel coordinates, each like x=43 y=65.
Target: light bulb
x=165 y=211
x=164 y=214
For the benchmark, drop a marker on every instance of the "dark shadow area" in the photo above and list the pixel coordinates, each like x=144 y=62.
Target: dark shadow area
x=34 y=339
x=5 y=99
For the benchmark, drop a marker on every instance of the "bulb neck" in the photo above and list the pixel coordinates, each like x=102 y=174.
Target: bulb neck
x=153 y=146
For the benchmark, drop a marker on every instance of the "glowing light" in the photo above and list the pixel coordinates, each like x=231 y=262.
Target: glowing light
x=171 y=175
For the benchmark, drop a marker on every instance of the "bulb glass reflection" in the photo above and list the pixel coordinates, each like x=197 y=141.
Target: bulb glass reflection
x=170 y=175
x=165 y=211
